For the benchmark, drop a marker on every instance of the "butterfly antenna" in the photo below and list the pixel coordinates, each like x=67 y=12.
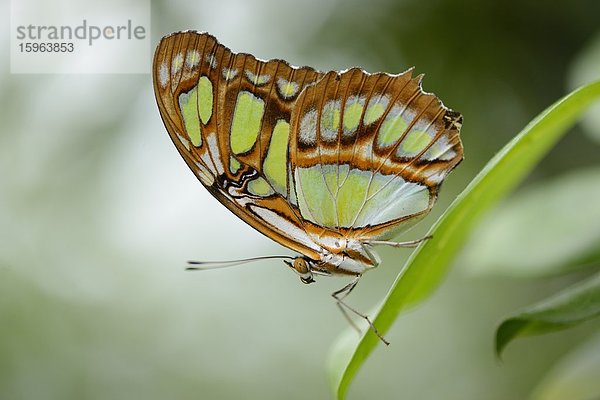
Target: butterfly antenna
x=206 y=265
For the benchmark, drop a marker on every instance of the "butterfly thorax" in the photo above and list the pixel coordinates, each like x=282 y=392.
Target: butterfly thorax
x=344 y=257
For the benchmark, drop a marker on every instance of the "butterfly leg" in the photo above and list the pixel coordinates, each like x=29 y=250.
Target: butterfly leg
x=340 y=295
x=410 y=243
x=339 y=301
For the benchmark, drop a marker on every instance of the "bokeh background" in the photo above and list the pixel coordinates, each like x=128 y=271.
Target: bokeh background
x=98 y=215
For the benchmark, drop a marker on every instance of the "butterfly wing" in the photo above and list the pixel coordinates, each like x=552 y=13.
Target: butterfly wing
x=304 y=157
x=228 y=115
x=370 y=152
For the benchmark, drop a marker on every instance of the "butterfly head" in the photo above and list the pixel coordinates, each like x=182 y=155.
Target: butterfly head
x=302 y=267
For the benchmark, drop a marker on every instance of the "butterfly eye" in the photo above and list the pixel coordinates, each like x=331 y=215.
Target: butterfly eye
x=302 y=268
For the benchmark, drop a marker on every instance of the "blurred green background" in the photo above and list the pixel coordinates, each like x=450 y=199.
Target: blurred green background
x=98 y=215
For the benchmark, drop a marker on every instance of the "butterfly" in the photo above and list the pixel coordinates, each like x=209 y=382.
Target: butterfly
x=327 y=164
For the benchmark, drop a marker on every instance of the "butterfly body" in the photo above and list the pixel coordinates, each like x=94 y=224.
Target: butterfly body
x=326 y=164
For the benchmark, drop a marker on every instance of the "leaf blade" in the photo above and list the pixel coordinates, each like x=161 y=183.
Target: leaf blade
x=426 y=267
x=569 y=307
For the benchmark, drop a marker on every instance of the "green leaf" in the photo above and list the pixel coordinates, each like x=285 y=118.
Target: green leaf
x=570 y=307
x=546 y=229
x=428 y=264
x=575 y=376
